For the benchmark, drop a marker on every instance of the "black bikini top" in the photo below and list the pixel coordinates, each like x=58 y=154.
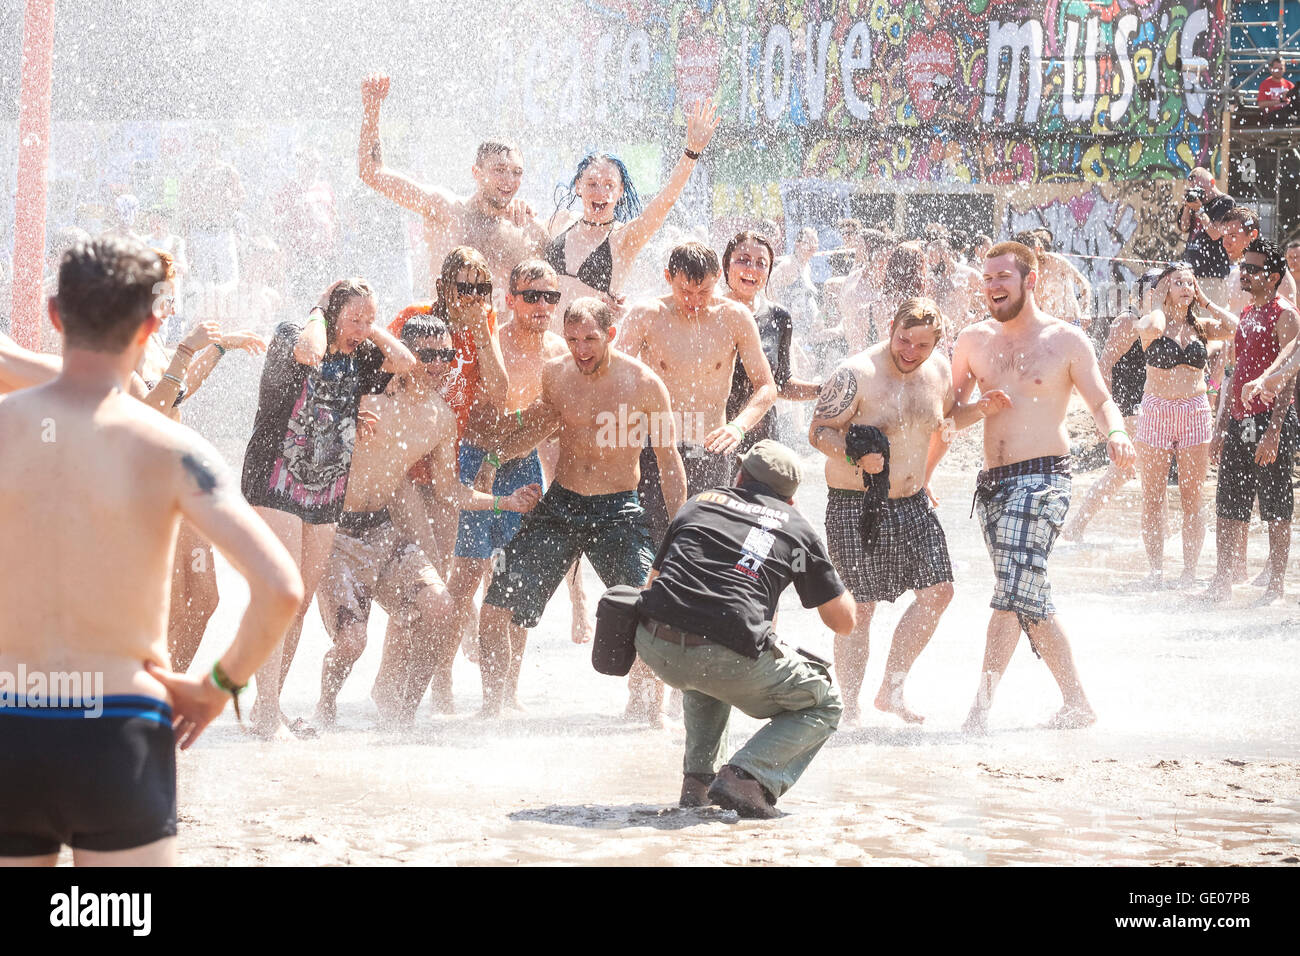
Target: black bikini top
x=597 y=270
x=1165 y=353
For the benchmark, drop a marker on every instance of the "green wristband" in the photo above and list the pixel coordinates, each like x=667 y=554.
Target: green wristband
x=496 y=504
x=849 y=458
x=493 y=460
x=1114 y=431
x=519 y=415
x=221 y=350
x=222 y=681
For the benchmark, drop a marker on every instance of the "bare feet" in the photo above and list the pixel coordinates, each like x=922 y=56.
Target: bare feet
x=1187 y=579
x=1271 y=598
x=852 y=715
x=1216 y=593
x=278 y=730
x=326 y=714
x=1071 y=718
x=1154 y=581
x=443 y=703
x=890 y=700
x=977 y=723
x=513 y=704
x=1263 y=578
x=303 y=730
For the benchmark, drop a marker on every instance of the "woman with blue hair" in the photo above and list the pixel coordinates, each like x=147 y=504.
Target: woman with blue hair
x=593 y=252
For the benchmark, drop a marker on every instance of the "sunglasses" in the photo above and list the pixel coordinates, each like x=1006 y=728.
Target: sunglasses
x=435 y=355
x=533 y=296
x=474 y=288
x=1250 y=269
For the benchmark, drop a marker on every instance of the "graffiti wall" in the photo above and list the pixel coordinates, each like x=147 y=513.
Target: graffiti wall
x=1095 y=98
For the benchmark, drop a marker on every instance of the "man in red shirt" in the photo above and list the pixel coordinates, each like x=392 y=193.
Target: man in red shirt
x=1275 y=91
x=1258 y=436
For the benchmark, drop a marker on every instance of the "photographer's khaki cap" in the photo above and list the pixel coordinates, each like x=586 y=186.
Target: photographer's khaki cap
x=774 y=465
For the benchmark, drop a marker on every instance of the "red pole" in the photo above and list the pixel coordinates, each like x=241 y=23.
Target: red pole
x=33 y=171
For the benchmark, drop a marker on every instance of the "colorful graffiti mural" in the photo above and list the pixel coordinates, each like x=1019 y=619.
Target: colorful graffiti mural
x=981 y=91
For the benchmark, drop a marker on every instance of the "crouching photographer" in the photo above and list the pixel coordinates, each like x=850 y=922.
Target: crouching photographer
x=706 y=628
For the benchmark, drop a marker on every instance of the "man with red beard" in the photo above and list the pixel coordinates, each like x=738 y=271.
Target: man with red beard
x=903 y=391
x=1024 y=491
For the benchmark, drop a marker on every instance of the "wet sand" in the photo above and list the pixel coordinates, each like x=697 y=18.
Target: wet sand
x=1193 y=760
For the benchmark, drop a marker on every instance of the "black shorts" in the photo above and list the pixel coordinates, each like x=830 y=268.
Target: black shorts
x=1242 y=479
x=704 y=470
x=95 y=783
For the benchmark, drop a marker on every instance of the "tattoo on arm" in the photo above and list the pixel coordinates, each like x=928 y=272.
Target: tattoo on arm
x=837 y=395
x=203 y=476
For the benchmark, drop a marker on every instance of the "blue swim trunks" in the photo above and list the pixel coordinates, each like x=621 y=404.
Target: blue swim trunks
x=482 y=532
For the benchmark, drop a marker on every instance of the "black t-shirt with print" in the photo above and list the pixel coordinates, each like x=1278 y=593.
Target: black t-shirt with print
x=305 y=430
x=725 y=560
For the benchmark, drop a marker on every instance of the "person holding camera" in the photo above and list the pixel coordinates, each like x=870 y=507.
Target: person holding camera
x=706 y=629
x=1200 y=220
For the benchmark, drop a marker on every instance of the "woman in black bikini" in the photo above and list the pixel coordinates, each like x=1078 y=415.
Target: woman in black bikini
x=593 y=252
x=1175 y=414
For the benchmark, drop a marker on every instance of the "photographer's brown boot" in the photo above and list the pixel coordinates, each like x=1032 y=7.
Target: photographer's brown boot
x=744 y=794
x=695 y=790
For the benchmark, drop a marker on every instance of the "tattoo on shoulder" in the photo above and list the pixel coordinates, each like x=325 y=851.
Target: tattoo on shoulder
x=837 y=394
x=203 y=474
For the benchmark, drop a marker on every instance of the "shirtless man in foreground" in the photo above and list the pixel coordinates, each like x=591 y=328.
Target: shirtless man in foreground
x=603 y=403
x=492 y=220
x=1024 y=491
x=384 y=546
x=691 y=339
x=904 y=389
x=89 y=471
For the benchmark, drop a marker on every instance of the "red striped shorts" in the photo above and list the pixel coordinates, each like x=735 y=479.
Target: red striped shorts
x=1177 y=423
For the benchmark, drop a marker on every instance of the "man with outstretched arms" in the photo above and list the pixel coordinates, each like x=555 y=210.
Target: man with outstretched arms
x=691 y=338
x=491 y=220
x=601 y=404
x=384 y=545
x=93 y=485
x=1024 y=492
x=886 y=539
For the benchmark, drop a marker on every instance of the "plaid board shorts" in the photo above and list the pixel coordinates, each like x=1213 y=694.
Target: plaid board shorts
x=1021 y=510
x=910 y=553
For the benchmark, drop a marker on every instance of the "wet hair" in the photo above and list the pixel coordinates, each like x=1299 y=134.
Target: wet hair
x=1243 y=217
x=424 y=327
x=530 y=270
x=589 y=307
x=107 y=289
x=343 y=293
x=745 y=235
x=695 y=260
x=918 y=310
x=904 y=272
x=457 y=259
x=849 y=228
x=1274 y=257
x=1192 y=318
x=1026 y=258
x=874 y=239
x=629 y=204
x=169 y=265
x=493 y=147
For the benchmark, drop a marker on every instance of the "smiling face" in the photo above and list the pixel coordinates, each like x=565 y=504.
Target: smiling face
x=355 y=321
x=498 y=178
x=429 y=374
x=1005 y=289
x=1255 y=278
x=1293 y=260
x=749 y=269
x=588 y=343
x=910 y=346
x=600 y=187
x=534 y=317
